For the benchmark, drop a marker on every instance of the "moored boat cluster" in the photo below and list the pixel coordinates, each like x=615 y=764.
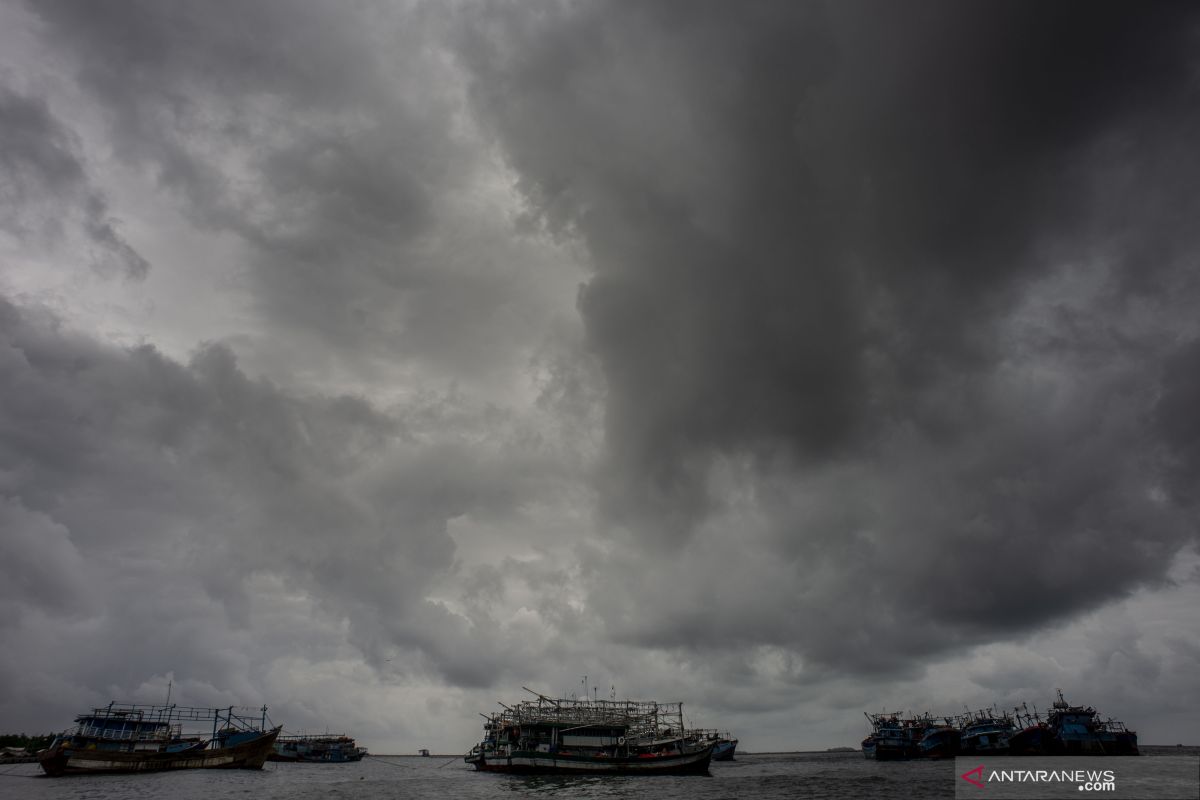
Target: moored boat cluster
x=125 y=738
x=1065 y=730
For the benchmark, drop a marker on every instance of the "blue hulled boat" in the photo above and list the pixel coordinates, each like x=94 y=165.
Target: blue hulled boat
x=1077 y=730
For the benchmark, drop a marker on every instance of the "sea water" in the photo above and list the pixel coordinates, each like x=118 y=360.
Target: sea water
x=750 y=777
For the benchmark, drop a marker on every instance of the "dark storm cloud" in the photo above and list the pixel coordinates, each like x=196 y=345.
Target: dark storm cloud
x=892 y=279
x=46 y=188
x=133 y=487
x=331 y=138
x=1177 y=420
x=886 y=357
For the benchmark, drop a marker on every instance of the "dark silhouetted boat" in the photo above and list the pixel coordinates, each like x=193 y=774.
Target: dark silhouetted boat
x=985 y=731
x=1077 y=730
x=589 y=737
x=121 y=738
x=1125 y=741
x=1031 y=736
x=891 y=738
x=937 y=740
x=1071 y=731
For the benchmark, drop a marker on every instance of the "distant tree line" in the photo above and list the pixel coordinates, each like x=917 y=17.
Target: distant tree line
x=30 y=743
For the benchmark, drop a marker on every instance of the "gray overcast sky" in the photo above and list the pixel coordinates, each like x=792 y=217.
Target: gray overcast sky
x=371 y=360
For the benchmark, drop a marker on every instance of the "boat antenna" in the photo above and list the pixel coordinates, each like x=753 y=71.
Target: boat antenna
x=169 y=682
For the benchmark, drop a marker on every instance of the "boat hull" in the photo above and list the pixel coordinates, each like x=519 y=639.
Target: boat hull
x=534 y=762
x=1032 y=741
x=723 y=751
x=886 y=751
x=939 y=743
x=1094 y=744
x=64 y=759
x=990 y=743
x=1126 y=744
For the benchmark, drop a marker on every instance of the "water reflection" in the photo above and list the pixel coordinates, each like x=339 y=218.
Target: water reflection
x=594 y=785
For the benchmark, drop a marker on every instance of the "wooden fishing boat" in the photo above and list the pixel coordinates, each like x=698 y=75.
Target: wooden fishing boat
x=590 y=737
x=125 y=738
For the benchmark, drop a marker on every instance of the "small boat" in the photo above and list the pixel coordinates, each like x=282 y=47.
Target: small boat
x=325 y=748
x=424 y=752
x=589 y=737
x=121 y=738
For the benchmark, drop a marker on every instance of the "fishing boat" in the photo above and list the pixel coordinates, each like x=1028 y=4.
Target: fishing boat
x=1077 y=730
x=724 y=745
x=937 y=740
x=985 y=731
x=1124 y=740
x=725 y=748
x=596 y=737
x=122 y=737
x=868 y=747
x=326 y=748
x=892 y=738
x=1071 y=730
x=1031 y=736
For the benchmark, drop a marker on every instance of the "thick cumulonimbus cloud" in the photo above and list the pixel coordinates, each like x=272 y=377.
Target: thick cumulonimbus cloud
x=862 y=300
x=189 y=500
x=335 y=146
x=781 y=351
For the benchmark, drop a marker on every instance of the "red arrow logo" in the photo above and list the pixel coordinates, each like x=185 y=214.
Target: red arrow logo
x=966 y=776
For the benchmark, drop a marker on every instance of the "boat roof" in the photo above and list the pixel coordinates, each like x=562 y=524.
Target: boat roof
x=238 y=718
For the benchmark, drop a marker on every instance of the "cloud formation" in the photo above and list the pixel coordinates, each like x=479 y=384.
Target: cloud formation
x=862 y=300
x=800 y=354
x=47 y=193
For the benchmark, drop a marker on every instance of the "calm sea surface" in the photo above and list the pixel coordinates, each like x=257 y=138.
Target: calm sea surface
x=768 y=776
